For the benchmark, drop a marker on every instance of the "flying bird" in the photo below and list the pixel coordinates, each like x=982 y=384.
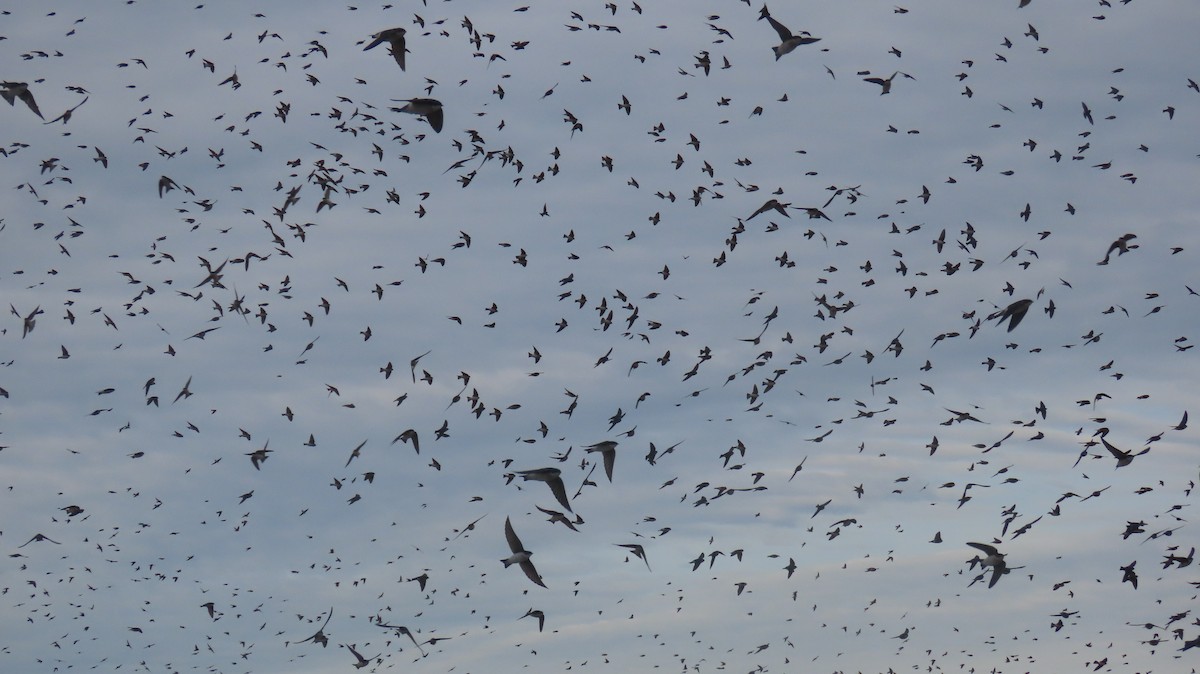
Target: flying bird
x=994 y=558
x=520 y=555
x=551 y=477
x=1014 y=312
x=429 y=108
x=11 y=91
x=1121 y=245
x=395 y=39
x=638 y=551
x=607 y=449
x=787 y=41
x=535 y=613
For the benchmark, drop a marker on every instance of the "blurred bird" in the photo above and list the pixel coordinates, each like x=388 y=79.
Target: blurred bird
x=428 y=108
x=11 y=91
x=520 y=555
x=395 y=38
x=788 y=41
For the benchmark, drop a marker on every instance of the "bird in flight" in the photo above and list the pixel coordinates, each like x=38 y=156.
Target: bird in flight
x=607 y=449
x=429 y=108
x=520 y=555
x=11 y=91
x=787 y=41
x=1014 y=312
x=551 y=477
x=994 y=559
x=395 y=39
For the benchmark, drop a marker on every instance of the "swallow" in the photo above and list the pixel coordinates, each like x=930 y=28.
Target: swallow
x=66 y=116
x=1123 y=457
x=408 y=435
x=37 y=538
x=551 y=477
x=401 y=629
x=28 y=321
x=1121 y=245
x=1015 y=312
x=607 y=449
x=556 y=516
x=469 y=527
x=11 y=91
x=533 y=613
x=787 y=41
x=520 y=555
x=319 y=637
x=638 y=551
x=259 y=456
x=885 y=82
x=184 y=392
x=771 y=204
x=395 y=39
x=428 y=108
x=994 y=559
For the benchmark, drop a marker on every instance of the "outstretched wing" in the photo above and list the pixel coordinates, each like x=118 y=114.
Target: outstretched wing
x=514 y=543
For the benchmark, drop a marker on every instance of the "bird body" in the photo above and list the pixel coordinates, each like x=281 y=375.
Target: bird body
x=993 y=558
x=551 y=477
x=787 y=40
x=11 y=91
x=395 y=38
x=520 y=556
x=429 y=108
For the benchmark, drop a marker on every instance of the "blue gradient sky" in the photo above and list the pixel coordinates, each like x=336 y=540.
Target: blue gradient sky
x=650 y=309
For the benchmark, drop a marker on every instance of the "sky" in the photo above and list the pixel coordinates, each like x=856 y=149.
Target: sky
x=974 y=300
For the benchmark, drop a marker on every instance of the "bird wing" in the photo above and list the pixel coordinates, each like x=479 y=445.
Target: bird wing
x=560 y=492
x=514 y=543
x=985 y=548
x=398 y=50
x=784 y=33
x=435 y=116
x=527 y=567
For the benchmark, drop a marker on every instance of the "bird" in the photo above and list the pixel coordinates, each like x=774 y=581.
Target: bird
x=885 y=82
x=638 y=551
x=787 y=41
x=607 y=449
x=319 y=636
x=520 y=556
x=395 y=38
x=1123 y=457
x=37 y=538
x=429 y=108
x=994 y=558
x=535 y=613
x=551 y=477
x=1121 y=245
x=11 y=91
x=771 y=204
x=1015 y=312
x=360 y=661
x=556 y=516
x=259 y=456
x=409 y=435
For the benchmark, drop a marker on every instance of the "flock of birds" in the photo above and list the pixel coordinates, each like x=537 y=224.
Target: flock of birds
x=220 y=257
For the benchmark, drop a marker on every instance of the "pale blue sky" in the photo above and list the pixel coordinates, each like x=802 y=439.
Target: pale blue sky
x=164 y=529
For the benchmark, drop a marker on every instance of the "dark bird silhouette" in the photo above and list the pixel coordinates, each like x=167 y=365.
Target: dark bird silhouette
x=520 y=555
x=1014 y=312
x=11 y=91
x=551 y=477
x=993 y=558
x=395 y=39
x=429 y=108
x=787 y=41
